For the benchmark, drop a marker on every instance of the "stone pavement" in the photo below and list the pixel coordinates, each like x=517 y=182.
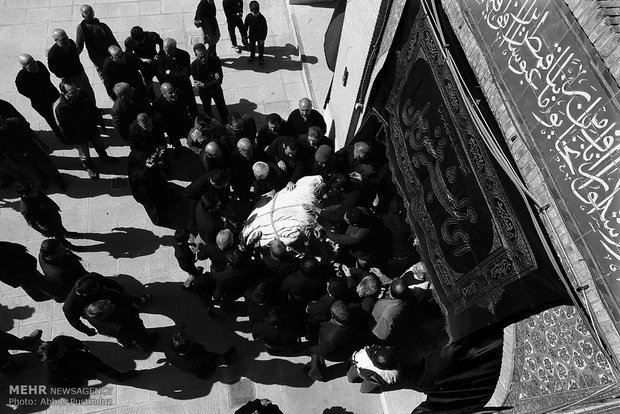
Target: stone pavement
x=120 y=240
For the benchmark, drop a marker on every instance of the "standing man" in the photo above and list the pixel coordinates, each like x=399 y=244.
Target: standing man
x=78 y=118
x=126 y=108
x=233 y=9
x=33 y=81
x=207 y=73
x=121 y=67
x=144 y=46
x=303 y=118
x=63 y=59
x=96 y=35
x=205 y=19
x=175 y=113
x=173 y=66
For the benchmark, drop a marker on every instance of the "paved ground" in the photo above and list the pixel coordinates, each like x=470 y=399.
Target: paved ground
x=122 y=241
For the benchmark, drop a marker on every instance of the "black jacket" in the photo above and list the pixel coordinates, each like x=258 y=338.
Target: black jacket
x=77 y=121
x=64 y=63
x=115 y=72
x=37 y=86
x=97 y=37
x=62 y=272
x=256 y=27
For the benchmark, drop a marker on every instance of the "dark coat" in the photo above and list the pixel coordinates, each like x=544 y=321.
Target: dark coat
x=78 y=121
x=146 y=141
x=241 y=174
x=37 y=86
x=62 y=272
x=337 y=342
x=300 y=125
x=97 y=37
x=296 y=166
x=256 y=26
x=302 y=288
x=284 y=335
x=265 y=136
x=115 y=72
x=64 y=63
x=175 y=116
x=197 y=361
x=179 y=67
x=124 y=112
x=208 y=223
x=42 y=214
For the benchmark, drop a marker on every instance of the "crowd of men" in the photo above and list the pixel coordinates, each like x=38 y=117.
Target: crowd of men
x=348 y=295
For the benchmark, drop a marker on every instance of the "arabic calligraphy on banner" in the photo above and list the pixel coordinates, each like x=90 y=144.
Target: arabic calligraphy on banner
x=567 y=106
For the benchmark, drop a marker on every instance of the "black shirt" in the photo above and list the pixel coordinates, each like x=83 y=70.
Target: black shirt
x=37 y=85
x=64 y=62
x=145 y=49
x=206 y=72
x=178 y=67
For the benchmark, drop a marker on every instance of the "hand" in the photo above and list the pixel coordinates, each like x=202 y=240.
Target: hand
x=199 y=84
x=356 y=176
x=290 y=186
x=282 y=165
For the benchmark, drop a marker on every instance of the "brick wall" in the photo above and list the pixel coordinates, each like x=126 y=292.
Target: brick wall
x=570 y=256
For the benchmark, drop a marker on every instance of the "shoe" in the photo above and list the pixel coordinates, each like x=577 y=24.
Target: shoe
x=109 y=160
x=236 y=48
x=229 y=354
x=251 y=60
x=94 y=175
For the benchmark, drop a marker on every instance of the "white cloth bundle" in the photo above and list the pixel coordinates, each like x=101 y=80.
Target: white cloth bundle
x=287 y=215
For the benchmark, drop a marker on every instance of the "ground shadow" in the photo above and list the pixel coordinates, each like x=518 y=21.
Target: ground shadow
x=276 y=58
x=126 y=242
x=9 y=315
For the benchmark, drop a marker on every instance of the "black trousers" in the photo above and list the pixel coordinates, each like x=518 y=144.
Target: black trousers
x=217 y=95
x=47 y=112
x=234 y=21
x=261 y=48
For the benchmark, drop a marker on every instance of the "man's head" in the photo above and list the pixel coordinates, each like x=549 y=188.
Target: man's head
x=277 y=248
x=399 y=289
x=123 y=90
x=87 y=12
x=70 y=91
x=360 y=150
x=322 y=154
x=260 y=170
x=169 y=92
x=200 y=51
x=384 y=357
x=52 y=249
x=87 y=285
x=254 y=7
x=273 y=123
x=181 y=342
x=181 y=236
x=204 y=123
x=340 y=312
x=236 y=122
x=213 y=150
x=137 y=33
x=117 y=54
x=309 y=266
x=275 y=316
x=170 y=46
x=337 y=287
x=290 y=145
x=305 y=106
x=99 y=309
x=28 y=63
x=219 y=179
x=144 y=121
x=225 y=239
x=314 y=135
x=244 y=146
x=261 y=294
x=354 y=216
x=369 y=286
x=60 y=37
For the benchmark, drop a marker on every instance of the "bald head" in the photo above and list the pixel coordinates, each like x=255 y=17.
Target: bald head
x=213 y=150
x=168 y=91
x=360 y=150
x=114 y=51
x=398 y=289
x=170 y=46
x=28 y=63
x=60 y=37
x=122 y=90
x=260 y=170
x=87 y=12
x=145 y=122
x=244 y=146
x=305 y=106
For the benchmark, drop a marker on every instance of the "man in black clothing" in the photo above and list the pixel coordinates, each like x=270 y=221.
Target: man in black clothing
x=60 y=266
x=33 y=81
x=173 y=66
x=129 y=104
x=20 y=147
x=191 y=357
x=19 y=269
x=144 y=46
x=240 y=126
x=78 y=118
x=121 y=67
x=233 y=9
x=11 y=342
x=70 y=363
x=207 y=73
x=206 y=20
x=291 y=158
x=145 y=135
x=175 y=112
x=41 y=212
x=63 y=59
x=303 y=118
x=267 y=177
x=96 y=36
x=241 y=174
x=92 y=287
x=274 y=127
x=149 y=185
